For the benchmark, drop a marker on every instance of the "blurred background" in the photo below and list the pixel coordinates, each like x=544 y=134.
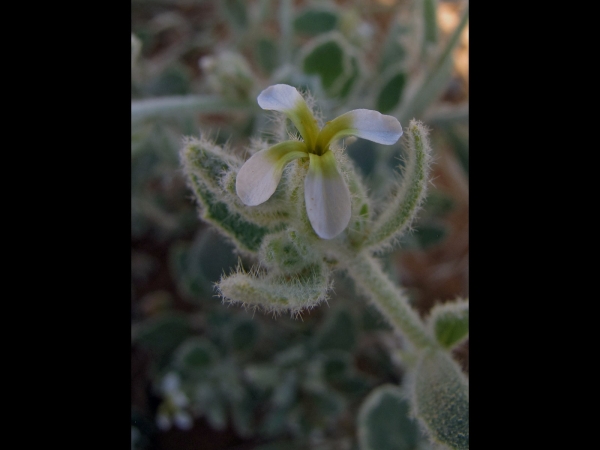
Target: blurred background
x=210 y=376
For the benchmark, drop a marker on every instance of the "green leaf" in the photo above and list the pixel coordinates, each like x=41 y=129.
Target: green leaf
x=354 y=75
x=267 y=55
x=206 y=165
x=244 y=335
x=246 y=235
x=338 y=332
x=235 y=11
x=278 y=293
x=274 y=422
x=450 y=322
x=196 y=354
x=430 y=21
x=384 y=423
x=428 y=234
x=162 y=334
x=458 y=136
x=315 y=21
x=404 y=204
x=441 y=399
x=393 y=51
x=432 y=85
x=175 y=80
x=328 y=58
x=336 y=366
x=197 y=267
x=216 y=413
x=285 y=392
x=242 y=416
x=390 y=94
x=263 y=376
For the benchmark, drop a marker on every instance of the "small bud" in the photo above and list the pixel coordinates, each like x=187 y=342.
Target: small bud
x=228 y=74
x=285 y=253
x=277 y=293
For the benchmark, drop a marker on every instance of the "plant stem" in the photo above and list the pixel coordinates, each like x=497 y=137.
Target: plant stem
x=389 y=299
x=285 y=21
x=432 y=85
x=166 y=107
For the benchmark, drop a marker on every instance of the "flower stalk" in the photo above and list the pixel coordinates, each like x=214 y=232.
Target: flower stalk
x=390 y=300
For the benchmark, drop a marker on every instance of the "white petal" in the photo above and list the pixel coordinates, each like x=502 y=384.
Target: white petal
x=163 y=422
x=327 y=197
x=363 y=123
x=170 y=383
x=259 y=176
x=279 y=97
x=183 y=420
x=288 y=100
x=179 y=399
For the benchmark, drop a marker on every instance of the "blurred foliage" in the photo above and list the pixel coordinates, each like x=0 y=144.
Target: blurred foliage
x=250 y=379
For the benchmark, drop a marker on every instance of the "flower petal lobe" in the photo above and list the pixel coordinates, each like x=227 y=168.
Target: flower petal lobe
x=287 y=99
x=362 y=123
x=259 y=176
x=327 y=196
x=279 y=97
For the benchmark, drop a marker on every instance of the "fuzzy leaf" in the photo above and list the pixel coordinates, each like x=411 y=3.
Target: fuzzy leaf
x=450 y=322
x=244 y=335
x=338 y=332
x=441 y=399
x=162 y=334
x=391 y=92
x=328 y=57
x=246 y=235
x=266 y=54
x=205 y=164
x=278 y=293
x=315 y=21
x=404 y=205
x=235 y=11
x=384 y=423
x=196 y=354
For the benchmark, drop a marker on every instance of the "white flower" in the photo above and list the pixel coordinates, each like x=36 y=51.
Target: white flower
x=326 y=195
x=172 y=409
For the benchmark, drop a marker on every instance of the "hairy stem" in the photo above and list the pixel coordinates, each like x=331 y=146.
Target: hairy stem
x=389 y=299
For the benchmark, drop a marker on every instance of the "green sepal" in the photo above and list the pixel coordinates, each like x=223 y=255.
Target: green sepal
x=285 y=253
